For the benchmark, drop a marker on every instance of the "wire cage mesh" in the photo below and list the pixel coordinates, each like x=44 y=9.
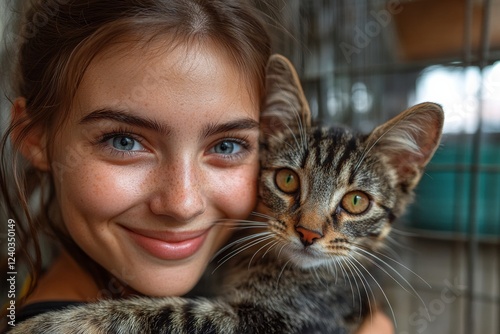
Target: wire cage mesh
x=362 y=62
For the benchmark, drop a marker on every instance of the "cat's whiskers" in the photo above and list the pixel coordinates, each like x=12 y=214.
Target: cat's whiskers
x=396 y=244
x=261 y=215
x=240 y=222
x=344 y=273
x=260 y=237
x=332 y=266
x=244 y=225
x=342 y=270
x=379 y=286
x=281 y=249
x=371 y=253
x=239 y=250
x=386 y=247
x=355 y=251
x=281 y=272
x=355 y=272
x=318 y=277
x=248 y=227
x=413 y=291
x=403 y=233
x=270 y=247
x=258 y=250
x=359 y=293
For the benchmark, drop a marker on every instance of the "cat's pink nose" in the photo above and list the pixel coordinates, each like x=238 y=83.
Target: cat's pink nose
x=307 y=236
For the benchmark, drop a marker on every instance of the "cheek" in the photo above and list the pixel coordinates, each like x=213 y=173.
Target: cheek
x=237 y=193
x=97 y=192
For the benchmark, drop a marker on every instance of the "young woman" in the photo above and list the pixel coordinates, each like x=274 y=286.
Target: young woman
x=138 y=122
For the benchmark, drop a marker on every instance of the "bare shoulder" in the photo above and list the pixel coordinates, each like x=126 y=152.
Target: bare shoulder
x=379 y=323
x=65 y=280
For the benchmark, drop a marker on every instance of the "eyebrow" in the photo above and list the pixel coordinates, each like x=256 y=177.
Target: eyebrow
x=239 y=124
x=124 y=117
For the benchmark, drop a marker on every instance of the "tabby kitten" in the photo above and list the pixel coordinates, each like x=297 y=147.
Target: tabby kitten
x=330 y=197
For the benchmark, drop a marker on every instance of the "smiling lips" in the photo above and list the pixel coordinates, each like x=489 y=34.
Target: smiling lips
x=168 y=245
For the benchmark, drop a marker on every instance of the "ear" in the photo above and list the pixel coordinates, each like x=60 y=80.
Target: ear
x=285 y=106
x=409 y=141
x=29 y=140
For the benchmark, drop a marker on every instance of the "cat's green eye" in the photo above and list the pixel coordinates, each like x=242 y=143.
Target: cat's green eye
x=287 y=180
x=355 y=202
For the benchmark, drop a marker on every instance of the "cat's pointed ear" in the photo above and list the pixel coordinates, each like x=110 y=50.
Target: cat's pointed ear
x=409 y=140
x=285 y=106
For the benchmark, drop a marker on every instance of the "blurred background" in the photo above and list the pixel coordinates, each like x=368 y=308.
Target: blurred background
x=364 y=61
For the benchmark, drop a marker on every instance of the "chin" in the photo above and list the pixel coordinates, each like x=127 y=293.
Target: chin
x=166 y=288
x=308 y=258
x=160 y=280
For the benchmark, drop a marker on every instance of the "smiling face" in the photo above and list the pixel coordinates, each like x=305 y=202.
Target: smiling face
x=157 y=148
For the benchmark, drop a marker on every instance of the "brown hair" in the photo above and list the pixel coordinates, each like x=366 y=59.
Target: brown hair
x=59 y=39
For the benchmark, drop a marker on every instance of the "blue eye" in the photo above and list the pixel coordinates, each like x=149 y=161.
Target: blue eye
x=125 y=143
x=227 y=147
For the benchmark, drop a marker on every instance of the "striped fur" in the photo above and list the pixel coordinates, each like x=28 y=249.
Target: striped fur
x=283 y=284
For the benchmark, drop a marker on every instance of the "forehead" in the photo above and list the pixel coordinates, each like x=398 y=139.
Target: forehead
x=159 y=73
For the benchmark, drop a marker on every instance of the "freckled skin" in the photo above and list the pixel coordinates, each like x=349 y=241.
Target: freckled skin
x=174 y=182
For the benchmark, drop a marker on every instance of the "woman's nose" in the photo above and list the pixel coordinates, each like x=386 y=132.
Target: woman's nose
x=179 y=192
